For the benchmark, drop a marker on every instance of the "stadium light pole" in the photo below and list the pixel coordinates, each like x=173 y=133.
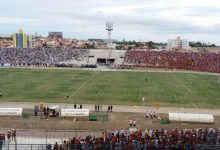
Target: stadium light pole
x=109 y=28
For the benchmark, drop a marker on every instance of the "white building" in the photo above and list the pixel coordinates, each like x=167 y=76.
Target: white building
x=178 y=44
x=29 y=41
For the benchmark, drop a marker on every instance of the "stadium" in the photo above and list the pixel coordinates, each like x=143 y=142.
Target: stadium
x=109 y=99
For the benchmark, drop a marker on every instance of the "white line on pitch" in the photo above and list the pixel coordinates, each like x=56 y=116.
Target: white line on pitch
x=83 y=84
x=190 y=91
x=212 y=91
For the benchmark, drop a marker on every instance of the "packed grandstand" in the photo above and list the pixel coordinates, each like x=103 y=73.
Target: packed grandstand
x=166 y=139
x=203 y=138
x=40 y=56
x=183 y=60
x=196 y=61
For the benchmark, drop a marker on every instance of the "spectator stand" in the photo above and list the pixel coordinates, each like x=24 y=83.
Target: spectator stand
x=166 y=139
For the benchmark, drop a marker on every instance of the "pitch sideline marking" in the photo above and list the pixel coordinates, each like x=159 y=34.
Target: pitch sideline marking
x=190 y=91
x=83 y=84
x=215 y=94
x=212 y=91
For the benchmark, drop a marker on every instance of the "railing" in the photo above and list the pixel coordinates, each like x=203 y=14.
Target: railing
x=24 y=147
x=40 y=139
x=107 y=147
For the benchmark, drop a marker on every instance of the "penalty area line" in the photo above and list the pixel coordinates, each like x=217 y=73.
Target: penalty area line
x=83 y=84
x=188 y=89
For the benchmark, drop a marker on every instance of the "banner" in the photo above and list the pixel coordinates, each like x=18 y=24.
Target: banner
x=11 y=111
x=74 y=112
x=187 y=117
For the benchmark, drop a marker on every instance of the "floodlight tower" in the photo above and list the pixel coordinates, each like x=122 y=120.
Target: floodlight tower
x=109 y=28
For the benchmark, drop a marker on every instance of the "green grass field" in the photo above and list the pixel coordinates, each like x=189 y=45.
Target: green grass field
x=52 y=85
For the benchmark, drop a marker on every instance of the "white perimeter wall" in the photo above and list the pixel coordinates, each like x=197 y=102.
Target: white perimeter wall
x=106 y=54
x=100 y=53
x=187 y=117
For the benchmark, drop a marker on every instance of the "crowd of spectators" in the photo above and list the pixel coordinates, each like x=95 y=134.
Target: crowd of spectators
x=46 y=112
x=150 y=115
x=9 y=135
x=40 y=56
x=204 y=138
x=197 y=61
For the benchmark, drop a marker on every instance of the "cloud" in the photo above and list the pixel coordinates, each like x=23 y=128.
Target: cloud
x=13 y=21
x=132 y=19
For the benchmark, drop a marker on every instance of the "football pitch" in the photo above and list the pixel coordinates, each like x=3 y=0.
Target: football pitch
x=112 y=87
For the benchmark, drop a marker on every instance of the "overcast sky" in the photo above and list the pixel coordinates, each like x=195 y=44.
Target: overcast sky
x=145 y=20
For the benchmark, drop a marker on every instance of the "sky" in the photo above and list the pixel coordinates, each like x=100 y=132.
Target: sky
x=140 y=20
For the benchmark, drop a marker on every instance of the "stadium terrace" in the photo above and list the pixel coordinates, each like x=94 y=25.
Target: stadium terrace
x=196 y=61
x=166 y=139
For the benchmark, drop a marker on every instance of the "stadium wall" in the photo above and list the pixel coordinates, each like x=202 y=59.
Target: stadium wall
x=117 y=55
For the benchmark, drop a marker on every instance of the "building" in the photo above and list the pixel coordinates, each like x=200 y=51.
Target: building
x=29 y=41
x=178 y=43
x=21 y=40
x=103 y=43
x=5 y=41
x=55 y=34
x=96 y=40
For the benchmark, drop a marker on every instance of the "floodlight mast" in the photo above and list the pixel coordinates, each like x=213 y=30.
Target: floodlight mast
x=109 y=28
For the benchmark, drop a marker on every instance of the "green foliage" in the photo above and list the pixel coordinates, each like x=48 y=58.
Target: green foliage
x=134 y=43
x=199 y=44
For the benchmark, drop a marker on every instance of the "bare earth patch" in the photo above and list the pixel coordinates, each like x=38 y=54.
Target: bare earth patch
x=116 y=121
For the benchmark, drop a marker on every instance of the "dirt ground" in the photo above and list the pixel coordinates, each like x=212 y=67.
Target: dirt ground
x=117 y=120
